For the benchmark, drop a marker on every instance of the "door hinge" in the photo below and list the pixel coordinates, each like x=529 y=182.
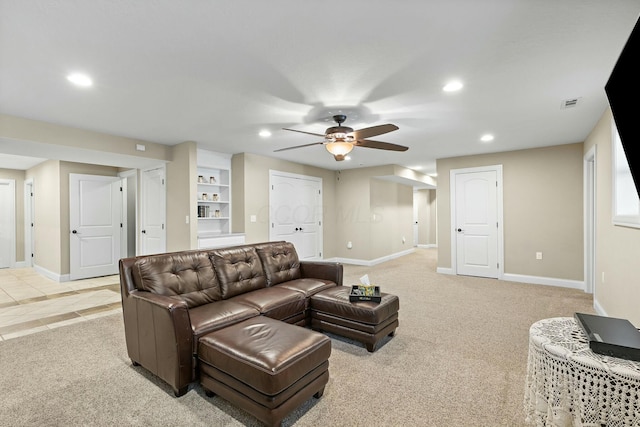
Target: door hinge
x=319 y=222
x=163 y=226
x=498 y=265
x=272 y=225
x=162 y=181
x=121 y=189
x=319 y=192
x=120 y=225
x=272 y=187
x=496 y=224
x=320 y=254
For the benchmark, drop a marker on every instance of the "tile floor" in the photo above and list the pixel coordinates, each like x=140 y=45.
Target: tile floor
x=30 y=302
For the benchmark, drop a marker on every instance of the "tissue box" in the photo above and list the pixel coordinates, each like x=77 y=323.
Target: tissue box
x=365 y=293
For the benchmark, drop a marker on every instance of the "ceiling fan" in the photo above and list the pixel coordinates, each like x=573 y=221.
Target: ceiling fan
x=340 y=140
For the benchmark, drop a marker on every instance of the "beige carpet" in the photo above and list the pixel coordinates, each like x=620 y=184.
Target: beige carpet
x=458 y=359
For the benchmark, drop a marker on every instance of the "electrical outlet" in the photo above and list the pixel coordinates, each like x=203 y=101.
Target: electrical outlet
x=538 y=255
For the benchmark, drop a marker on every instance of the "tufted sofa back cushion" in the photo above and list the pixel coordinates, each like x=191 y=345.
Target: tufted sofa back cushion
x=280 y=262
x=239 y=270
x=189 y=276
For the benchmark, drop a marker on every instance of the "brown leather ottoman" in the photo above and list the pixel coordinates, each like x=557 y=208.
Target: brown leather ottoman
x=266 y=367
x=364 y=321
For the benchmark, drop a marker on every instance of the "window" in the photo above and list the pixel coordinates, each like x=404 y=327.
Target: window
x=626 y=203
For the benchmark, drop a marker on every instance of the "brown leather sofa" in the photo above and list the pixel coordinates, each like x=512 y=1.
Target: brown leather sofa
x=171 y=300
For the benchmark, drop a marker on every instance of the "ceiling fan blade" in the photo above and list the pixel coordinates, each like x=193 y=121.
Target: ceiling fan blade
x=298 y=146
x=308 y=133
x=367 y=143
x=374 y=131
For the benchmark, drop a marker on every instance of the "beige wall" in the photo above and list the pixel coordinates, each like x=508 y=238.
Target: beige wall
x=392 y=227
x=542 y=209
x=18 y=177
x=373 y=214
x=617 y=248
x=250 y=184
x=38 y=132
x=182 y=175
x=46 y=201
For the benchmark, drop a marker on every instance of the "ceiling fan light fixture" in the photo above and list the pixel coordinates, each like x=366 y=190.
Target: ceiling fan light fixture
x=339 y=149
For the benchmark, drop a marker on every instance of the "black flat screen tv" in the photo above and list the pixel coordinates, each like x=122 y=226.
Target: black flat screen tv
x=623 y=89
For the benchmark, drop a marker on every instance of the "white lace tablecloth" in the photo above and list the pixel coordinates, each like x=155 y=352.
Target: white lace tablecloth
x=569 y=385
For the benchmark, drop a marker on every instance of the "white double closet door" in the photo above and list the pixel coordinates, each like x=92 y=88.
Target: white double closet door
x=296 y=212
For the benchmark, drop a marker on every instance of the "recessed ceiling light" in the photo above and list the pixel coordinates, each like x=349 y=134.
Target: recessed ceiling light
x=264 y=133
x=486 y=138
x=79 y=79
x=452 y=86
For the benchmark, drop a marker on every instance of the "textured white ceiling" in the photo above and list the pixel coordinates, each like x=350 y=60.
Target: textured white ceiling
x=218 y=72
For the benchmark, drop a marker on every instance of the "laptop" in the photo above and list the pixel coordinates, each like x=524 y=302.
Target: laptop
x=611 y=336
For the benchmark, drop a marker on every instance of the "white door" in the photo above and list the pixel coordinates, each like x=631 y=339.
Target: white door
x=95 y=210
x=476 y=223
x=7 y=222
x=29 y=213
x=153 y=211
x=416 y=202
x=296 y=212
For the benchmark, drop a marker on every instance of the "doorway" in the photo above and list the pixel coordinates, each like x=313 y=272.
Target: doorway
x=296 y=212
x=153 y=211
x=7 y=223
x=95 y=211
x=29 y=211
x=476 y=219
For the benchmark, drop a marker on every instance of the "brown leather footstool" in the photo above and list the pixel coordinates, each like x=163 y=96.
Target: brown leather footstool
x=364 y=321
x=264 y=366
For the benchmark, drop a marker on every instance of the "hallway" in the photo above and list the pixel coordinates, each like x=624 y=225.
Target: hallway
x=30 y=302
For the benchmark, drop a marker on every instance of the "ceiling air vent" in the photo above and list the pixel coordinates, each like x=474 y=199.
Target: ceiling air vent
x=569 y=103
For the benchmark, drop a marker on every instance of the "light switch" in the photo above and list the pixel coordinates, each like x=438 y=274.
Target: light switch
x=253 y=218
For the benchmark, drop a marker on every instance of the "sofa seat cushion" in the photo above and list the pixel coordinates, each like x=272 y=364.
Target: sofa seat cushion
x=265 y=354
x=211 y=317
x=276 y=302
x=307 y=286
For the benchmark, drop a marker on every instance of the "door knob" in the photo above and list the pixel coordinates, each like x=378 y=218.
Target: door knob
x=75 y=231
x=459 y=230
x=144 y=231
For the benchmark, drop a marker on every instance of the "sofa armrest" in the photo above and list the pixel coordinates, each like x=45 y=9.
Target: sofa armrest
x=322 y=270
x=159 y=336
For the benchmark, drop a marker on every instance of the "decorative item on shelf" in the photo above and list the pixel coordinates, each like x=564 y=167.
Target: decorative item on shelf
x=205 y=196
x=217 y=214
x=212 y=180
x=214 y=197
x=200 y=178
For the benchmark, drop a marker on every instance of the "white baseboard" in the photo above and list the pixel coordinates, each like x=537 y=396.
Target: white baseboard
x=444 y=270
x=20 y=264
x=598 y=308
x=548 y=281
x=431 y=245
x=51 y=275
x=370 y=263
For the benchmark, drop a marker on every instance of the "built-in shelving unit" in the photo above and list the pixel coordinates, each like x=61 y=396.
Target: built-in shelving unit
x=214 y=201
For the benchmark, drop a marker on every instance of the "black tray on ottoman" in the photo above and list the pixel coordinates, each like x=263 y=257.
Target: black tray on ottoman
x=358 y=295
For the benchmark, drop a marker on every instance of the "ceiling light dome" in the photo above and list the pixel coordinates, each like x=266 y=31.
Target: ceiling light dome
x=339 y=149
